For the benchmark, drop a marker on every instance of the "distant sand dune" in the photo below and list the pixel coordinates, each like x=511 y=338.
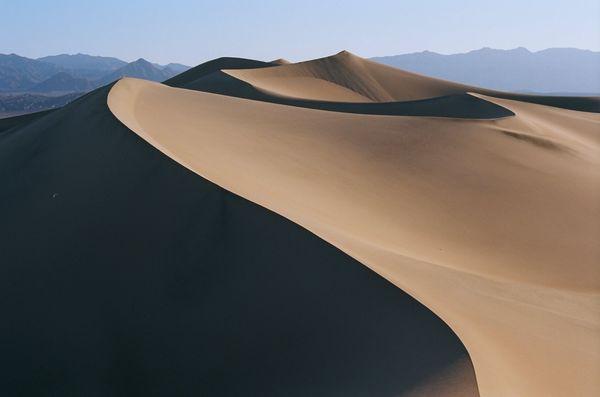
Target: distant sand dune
x=377 y=82
x=339 y=82
x=492 y=224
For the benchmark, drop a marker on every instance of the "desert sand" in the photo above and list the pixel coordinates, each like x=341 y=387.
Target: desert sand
x=489 y=220
x=124 y=273
x=332 y=227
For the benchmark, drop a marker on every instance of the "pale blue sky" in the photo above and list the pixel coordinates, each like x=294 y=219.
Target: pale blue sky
x=194 y=31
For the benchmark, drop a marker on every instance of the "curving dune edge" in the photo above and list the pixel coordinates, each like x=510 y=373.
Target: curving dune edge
x=492 y=224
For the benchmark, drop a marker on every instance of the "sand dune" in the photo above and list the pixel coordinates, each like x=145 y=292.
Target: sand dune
x=216 y=65
x=327 y=228
x=123 y=273
x=325 y=94
x=492 y=224
x=292 y=87
x=345 y=77
x=377 y=82
x=11 y=122
x=280 y=61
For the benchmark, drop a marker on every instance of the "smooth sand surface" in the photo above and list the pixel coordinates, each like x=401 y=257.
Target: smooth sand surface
x=377 y=82
x=492 y=224
x=341 y=81
x=125 y=274
x=324 y=95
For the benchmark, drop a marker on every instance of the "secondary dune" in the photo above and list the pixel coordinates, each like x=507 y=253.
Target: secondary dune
x=343 y=77
x=492 y=224
x=336 y=83
x=370 y=80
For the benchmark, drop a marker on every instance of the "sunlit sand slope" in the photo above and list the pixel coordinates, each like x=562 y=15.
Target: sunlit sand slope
x=492 y=224
x=343 y=77
x=122 y=273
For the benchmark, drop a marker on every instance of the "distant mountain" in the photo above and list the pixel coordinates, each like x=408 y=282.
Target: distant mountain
x=18 y=73
x=63 y=82
x=66 y=73
x=140 y=69
x=83 y=65
x=555 y=70
x=84 y=61
x=177 y=67
x=29 y=85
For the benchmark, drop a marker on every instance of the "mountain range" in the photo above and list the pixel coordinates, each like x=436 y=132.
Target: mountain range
x=551 y=71
x=74 y=73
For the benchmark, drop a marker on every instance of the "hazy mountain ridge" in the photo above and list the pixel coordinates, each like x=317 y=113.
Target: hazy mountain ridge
x=18 y=73
x=140 y=69
x=84 y=66
x=553 y=70
x=63 y=82
x=21 y=74
x=28 y=85
x=83 y=61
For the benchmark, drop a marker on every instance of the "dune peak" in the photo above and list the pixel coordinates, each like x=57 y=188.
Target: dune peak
x=280 y=61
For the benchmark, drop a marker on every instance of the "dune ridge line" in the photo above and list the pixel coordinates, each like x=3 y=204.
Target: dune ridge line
x=413 y=198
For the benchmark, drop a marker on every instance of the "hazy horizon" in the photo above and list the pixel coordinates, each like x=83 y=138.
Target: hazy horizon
x=134 y=58
x=191 y=32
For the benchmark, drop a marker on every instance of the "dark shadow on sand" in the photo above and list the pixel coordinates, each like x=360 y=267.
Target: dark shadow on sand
x=125 y=274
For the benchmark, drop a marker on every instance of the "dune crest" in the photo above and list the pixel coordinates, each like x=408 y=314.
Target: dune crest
x=492 y=224
x=376 y=82
x=347 y=83
x=123 y=271
x=280 y=61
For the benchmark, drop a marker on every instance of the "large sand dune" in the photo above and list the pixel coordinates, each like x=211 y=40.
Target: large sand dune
x=492 y=224
x=125 y=274
x=332 y=227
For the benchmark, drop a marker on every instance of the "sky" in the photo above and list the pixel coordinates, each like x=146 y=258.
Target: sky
x=192 y=32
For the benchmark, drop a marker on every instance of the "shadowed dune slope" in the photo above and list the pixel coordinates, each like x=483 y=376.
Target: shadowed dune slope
x=331 y=97
x=345 y=77
x=215 y=65
x=583 y=103
x=124 y=273
x=492 y=224
x=10 y=122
